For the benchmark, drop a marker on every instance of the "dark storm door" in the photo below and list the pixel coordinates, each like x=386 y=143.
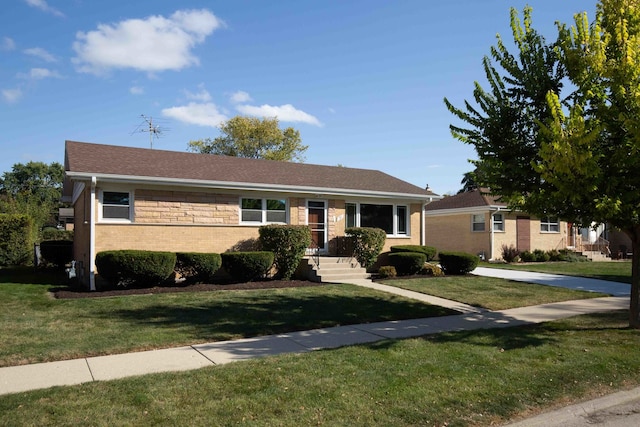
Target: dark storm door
x=523 y=233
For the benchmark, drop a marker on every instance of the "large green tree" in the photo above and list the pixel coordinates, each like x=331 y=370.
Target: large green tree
x=580 y=155
x=254 y=138
x=35 y=189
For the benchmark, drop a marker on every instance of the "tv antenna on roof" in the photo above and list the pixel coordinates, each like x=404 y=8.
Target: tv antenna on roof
x=148 y=126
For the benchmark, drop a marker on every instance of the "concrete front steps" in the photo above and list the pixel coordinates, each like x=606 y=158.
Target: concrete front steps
x=595 y=256
x=333 y=269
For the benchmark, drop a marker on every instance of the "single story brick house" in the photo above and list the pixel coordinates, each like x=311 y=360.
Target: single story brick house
x=135 y=198
x=479 y=223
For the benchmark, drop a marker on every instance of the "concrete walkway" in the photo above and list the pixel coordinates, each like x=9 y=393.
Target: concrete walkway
x=16 y=379
x=571 y=282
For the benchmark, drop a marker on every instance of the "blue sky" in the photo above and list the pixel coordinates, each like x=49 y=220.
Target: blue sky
x=363 y=81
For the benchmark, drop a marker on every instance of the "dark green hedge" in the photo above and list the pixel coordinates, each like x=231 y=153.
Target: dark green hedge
x=429 y=251
x=135 y=268
x=16 y=240
x=455 y=263
x=247 y=266
x=407 y=263
x=197 y=267
x=288 y=244
x=57 y=252
x=367 y=242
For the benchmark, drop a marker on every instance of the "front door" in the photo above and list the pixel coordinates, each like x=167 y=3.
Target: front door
x=317 y=221
x=523 y=233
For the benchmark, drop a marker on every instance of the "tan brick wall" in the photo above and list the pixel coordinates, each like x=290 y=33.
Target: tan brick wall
x=453 y=233
x=173 y=238
x=179 y=207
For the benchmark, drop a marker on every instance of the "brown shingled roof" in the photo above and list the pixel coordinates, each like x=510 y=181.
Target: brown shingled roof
x=85 y=159
x=469 y=199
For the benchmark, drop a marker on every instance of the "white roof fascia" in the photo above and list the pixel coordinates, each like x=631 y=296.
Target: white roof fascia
x=247 y=186
x=472 y=209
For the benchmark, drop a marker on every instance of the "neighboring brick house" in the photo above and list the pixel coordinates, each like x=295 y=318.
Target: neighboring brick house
x=134 y=198
x=479 y=223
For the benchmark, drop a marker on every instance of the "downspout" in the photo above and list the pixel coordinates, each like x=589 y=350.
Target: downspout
x=92 y=235
x=492 y=242
x=423 y=226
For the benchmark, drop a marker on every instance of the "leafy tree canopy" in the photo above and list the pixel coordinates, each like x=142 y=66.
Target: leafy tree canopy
x=254 y=138
x=575 y=156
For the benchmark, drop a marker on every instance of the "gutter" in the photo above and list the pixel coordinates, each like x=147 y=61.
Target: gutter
x=228 y=185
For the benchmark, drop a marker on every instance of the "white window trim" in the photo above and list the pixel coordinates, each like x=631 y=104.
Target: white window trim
x=102 y=219
x=494 y=222
x=263 y=220
x=484 y=223
x=547 y=221
x=394 y=206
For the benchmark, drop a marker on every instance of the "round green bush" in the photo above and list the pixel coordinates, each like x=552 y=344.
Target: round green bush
x=197 y=267
x=57 y=252
x=457 y=263
x=429 y=251
x=247 y=266
x=367 y=243
x=288 y=244
x=430 y=269
x=135 y=267
x=407 y=263
x=387 y=271
x=527 y=256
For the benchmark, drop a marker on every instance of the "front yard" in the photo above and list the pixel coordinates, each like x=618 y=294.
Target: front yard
x=467 y=378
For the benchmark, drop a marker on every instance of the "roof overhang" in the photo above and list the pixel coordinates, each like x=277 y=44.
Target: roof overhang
x=472 y=209
x=227 y=185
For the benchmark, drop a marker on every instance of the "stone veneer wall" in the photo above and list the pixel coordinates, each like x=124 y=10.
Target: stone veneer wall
x=178 y=207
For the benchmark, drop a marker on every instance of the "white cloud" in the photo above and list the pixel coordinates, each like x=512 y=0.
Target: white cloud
x=39 y=74
x=136 y=90
x=38 y=52
x=240 y=97
x=43 y=6
x=11 y=95
x=7 y=44
x=202 y=114
x=152 y=44
x=202 y=95
x=284 y=113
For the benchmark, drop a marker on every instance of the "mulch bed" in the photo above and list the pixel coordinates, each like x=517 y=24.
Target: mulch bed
x=70 y=293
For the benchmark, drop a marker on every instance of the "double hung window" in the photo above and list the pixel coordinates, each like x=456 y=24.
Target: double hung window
x=263 y=211
x=115 y=205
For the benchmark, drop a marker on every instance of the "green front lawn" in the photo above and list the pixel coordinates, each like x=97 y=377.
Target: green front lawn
x=475 y=378
x=488 y=292
x=37 y=328
x=616 y=271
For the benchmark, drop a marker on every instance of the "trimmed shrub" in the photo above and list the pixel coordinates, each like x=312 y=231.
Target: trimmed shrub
x=135 y=268
x=57 y=252
x=541 y=256
x=527 y=256
x=288 y=244
x=429 y=251
x=16 y=240
x=51 y=233
x=456 y=263
x=509 y=253
x=387 y=271
x=247 y=266
x=430 y=269
x=407 y=263
x=367 y=243
x=197 y=267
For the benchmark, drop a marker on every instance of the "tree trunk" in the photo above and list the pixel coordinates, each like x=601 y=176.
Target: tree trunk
x=634 y=305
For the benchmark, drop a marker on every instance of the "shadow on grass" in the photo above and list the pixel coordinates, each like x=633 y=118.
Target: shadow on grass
x=249 y=316
x=33 y=276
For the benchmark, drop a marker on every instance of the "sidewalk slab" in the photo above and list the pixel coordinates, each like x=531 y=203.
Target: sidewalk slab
x=248 y=348
x=146 y=362
x=616 y=289
x=15 y=379
x=561 y=310
x=338 y=336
